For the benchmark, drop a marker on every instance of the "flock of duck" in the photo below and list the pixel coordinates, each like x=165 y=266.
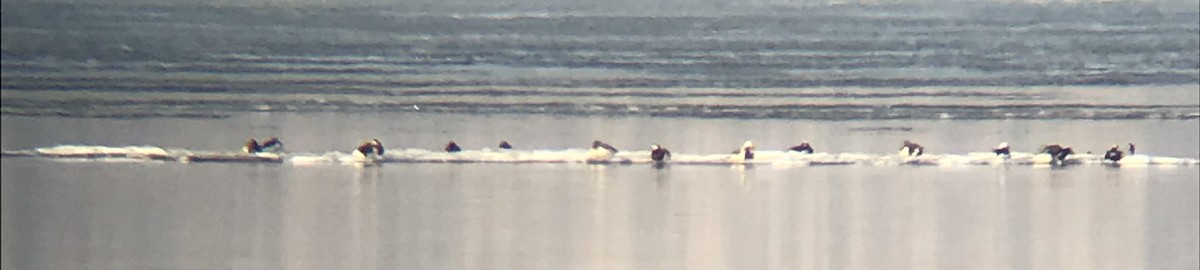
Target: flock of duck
x=602 y=151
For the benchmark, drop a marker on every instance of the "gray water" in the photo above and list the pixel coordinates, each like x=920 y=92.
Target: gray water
x=485 y=216
x=69 y=213
x=699 y=78
x=982 y=60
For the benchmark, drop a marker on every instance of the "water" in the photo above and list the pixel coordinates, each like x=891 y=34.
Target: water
x=453 y=216
x=128 y=60
x=123 y=213
x=157 y=83
x=430 y=131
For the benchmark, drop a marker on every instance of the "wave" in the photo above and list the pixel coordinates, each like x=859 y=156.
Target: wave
x=223 y=108
x=1137 y=44
x=570 y=156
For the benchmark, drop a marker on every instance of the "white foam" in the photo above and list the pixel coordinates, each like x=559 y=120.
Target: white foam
x=774 y=158
x=600 y=154
x=83 y=150
x=316 y=159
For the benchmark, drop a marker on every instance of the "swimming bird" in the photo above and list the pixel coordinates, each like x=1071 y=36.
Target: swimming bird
x=366 y=148
x=601 y=151
x=602 y=145
x=659 y=154
x=505 y=145
x=452 y=147
x=252 y=147
x=1114 y=153
x=911 y=149
x=745 y=153
x=371 y=147
x=804 y=147
x=1058 y=153
x=1002 y=150
x=272 y=144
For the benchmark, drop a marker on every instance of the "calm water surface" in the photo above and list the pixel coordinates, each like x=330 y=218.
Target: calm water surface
x=698 y=78
x=62 y=214
x=455 y=216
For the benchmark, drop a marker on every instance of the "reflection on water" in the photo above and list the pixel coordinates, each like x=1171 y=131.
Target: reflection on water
x=553 y=216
